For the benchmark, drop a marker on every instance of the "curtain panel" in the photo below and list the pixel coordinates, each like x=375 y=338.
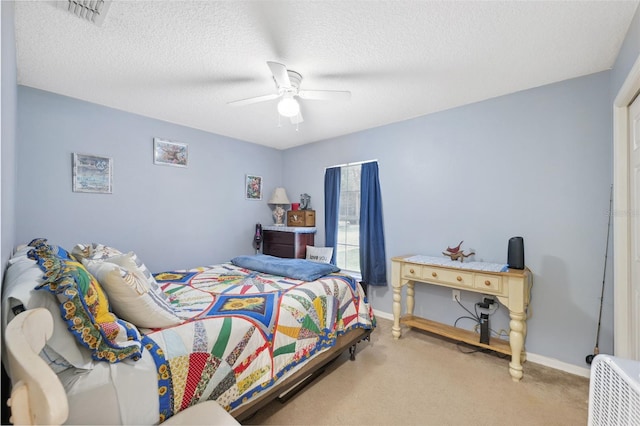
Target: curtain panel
x=373 y=258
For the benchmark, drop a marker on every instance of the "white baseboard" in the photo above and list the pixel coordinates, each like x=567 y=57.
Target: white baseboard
x=558 y=365
x=538 y=359
x=384 y=315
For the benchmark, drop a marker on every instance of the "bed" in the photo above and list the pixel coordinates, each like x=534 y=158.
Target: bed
x=131 y=347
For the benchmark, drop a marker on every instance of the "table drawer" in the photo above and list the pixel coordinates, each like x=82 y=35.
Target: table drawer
x=412 y=272
x=488 y=283
x=455 y=278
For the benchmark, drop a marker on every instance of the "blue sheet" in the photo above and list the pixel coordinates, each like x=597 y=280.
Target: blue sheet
x=300 y=269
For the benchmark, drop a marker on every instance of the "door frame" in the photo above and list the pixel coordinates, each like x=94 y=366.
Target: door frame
x=625 y=343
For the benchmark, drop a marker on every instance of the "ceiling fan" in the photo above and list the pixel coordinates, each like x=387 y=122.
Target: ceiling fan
x=288 y=85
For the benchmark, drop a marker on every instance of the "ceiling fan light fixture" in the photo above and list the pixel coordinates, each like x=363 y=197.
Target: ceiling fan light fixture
x=288 y=107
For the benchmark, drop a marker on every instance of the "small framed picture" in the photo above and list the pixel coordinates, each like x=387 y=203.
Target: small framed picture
x=253 y=187
x=92 y=173
x=168 y=153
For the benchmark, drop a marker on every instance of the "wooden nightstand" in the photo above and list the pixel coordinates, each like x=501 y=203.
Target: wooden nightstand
x=286 y=241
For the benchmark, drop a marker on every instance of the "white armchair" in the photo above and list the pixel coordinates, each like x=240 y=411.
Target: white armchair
x=37 y=395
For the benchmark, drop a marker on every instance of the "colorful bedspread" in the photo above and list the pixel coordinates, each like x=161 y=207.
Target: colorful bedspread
x=245 y=331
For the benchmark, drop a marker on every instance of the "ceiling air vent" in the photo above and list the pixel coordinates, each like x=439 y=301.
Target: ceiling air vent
x=91 y=10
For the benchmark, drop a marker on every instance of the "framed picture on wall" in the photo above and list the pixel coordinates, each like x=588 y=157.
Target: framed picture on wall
x=253 y=187
x=92 y=173
x=168 y=153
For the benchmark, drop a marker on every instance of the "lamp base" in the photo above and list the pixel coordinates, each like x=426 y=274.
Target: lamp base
x=278 y=215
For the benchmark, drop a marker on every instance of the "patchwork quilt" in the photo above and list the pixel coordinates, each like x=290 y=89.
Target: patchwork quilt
x=245 y=330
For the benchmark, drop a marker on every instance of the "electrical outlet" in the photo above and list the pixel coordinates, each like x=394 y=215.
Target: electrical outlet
x=455 y=295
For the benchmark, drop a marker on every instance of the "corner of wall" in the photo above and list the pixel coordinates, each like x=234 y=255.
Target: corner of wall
x=8 y=117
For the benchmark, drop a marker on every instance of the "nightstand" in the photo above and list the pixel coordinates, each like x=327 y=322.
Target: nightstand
x=287 y=241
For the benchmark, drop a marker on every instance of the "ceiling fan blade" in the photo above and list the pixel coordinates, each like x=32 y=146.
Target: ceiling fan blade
x=296 y=119
x=280 y=74
x=325 y=95
x=254 y=100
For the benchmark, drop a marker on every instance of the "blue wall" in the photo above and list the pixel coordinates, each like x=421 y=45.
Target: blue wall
x=535 y=163
x=172 y=217
x=8 y=137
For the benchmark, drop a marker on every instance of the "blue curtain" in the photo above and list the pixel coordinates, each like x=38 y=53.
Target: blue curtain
x=373 y=258
x=331 y=208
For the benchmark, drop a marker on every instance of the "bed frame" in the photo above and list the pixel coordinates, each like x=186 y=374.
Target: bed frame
x=305 y=375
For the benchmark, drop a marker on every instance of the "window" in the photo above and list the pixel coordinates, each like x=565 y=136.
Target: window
x=348 y=243
x=353 y=220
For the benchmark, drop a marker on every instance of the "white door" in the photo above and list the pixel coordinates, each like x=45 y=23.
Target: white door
x=634 y=222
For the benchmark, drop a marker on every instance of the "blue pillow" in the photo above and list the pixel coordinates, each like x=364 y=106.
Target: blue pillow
x=299 y=269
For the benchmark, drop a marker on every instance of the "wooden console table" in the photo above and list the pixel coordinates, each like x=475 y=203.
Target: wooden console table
x=512 y=289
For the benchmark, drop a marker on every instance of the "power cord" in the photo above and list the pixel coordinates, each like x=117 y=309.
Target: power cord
x=474 y=315
x=455 y=324
x=492 y=306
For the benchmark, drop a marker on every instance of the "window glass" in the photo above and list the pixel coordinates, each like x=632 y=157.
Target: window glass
x=348 y=253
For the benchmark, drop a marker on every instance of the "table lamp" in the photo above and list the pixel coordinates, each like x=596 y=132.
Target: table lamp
x=279 y=199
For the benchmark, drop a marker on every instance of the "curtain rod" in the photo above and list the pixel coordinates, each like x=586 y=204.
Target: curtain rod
x=351 y=164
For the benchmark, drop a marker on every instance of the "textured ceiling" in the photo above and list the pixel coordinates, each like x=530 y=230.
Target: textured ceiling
x=183 y=61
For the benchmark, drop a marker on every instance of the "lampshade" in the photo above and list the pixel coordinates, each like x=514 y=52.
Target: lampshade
x=279 y=197
x=288 y=107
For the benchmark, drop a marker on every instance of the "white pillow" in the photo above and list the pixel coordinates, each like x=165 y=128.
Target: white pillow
x=21 y=254
x=319 y=254
x=130 y=294
x=94 y=251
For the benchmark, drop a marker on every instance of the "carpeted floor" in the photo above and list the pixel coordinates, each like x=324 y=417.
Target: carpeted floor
x=422 y=379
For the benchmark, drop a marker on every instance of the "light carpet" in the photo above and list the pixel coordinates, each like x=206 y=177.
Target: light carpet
x=422 y=379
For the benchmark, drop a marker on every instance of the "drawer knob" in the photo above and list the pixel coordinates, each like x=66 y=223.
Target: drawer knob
x=433 y=274
x=487 y=282
x=411 y=271
x=459 y=278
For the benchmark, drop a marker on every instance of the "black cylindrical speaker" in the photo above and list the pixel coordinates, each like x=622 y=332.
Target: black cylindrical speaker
x=516 y=253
